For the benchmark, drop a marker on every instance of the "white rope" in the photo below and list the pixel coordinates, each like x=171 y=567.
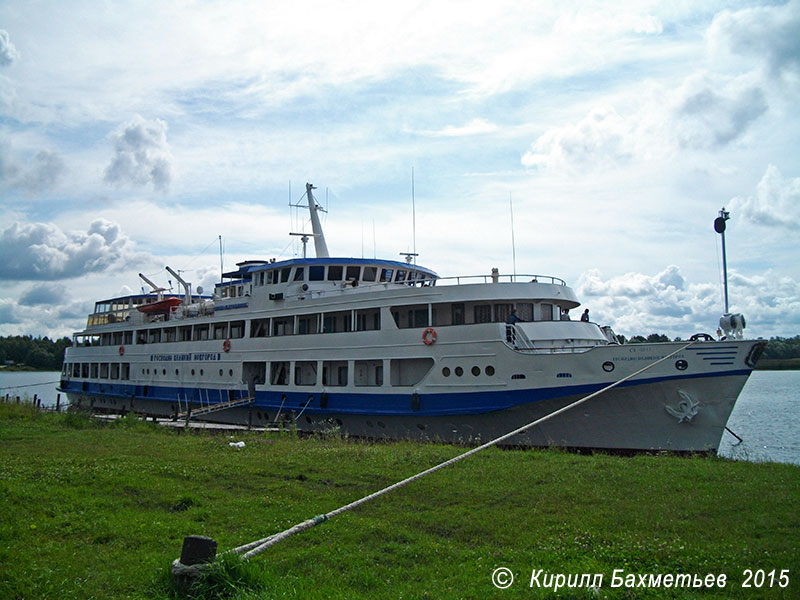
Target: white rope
x=257 y=547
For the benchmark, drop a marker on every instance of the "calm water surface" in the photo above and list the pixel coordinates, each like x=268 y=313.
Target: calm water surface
x=766 y=417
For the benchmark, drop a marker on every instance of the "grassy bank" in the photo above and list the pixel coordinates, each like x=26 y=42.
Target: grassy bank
x=92 y=510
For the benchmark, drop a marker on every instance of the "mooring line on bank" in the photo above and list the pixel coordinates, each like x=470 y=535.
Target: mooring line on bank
x=259 y=546
x=15 y=387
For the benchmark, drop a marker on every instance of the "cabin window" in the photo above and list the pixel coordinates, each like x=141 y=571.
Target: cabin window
x=285 y=274
x=401 y=275
x=169 y=334
x=368 y=373
x=299 y=274
x=370 y=273
x=95 y=371
x=483 y=313
x=305 y=372
x=335 y=273
x=368 y=320
x=316 y=273
x=525 y=311
x=279 y=373
x=334 y=373
x=237 y=329
x=125 y=372
x=85 y=370
x=502 y=312
x=259 y=328
x=155 y=336
x=336 y=322
x=386 y=275
x=103 y=370
x=269 y=277
x=307 y=324
x=352 y=273
x=546 y=312
x=114 y=370
x=457 y=314
x=283 y=326
x=185 y=333
x=141 y=336
x=200 y=332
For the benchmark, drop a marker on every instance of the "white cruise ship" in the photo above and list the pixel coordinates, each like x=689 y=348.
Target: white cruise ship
x=388 y=349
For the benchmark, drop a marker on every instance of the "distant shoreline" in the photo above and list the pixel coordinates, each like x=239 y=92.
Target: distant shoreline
x=778 y=364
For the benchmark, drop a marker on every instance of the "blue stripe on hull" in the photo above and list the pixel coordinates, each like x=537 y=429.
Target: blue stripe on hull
x=360 y=403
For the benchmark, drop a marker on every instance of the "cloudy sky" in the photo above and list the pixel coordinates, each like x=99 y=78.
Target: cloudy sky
x=133 y=134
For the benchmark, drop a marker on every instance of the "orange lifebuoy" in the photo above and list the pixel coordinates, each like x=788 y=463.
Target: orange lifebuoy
x=121 y=350
x=226 y=345
x=429 y=336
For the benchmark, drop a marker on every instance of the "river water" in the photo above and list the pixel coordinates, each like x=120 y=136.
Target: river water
x=766 y=416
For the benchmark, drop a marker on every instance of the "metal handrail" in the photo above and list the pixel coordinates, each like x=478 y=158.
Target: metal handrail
x=508 y=278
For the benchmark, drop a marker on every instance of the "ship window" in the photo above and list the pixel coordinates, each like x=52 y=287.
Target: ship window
x=283 y=326
x=459 y=371
x=335 y=273
x=185 y=333
x=502 y=312
x=269 y=277
x=85 y=370
x=401 y=275
x=103 y=370
x=114 y=370
x=457 y=314
x=200 y=332
x=370 y=273
x=169 y=334
x=305 y=372
x=476 y=371
x=285 y=274
x=259 y=328
x=299 y=273
x=483 y=313
x=524 y=311
x=126 y=371
x=368 y=320
x=316 y=273
x=155 y=336
x=352 y=273
x=546 y=312
x=490 y=370
x=141 y=336
x=386 y=274
x=446 y=371
x=368 y=373
x=237 y=329
x=95 y=370
x=334 y=373
x=307 y=324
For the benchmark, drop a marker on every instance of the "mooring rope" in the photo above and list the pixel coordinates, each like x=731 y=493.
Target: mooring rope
x=259 y=546
x=15 y=387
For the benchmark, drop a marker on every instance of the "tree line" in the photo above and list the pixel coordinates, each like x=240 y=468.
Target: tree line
x=33 y=352
x=46 y=354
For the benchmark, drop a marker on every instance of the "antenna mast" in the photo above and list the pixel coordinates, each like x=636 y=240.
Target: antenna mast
x=513 y=243
x=413 y=219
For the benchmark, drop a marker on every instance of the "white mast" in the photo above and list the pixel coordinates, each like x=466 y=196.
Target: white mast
x=320 y=246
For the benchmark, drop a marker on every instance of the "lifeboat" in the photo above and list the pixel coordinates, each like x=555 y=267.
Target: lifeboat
x=159 y=306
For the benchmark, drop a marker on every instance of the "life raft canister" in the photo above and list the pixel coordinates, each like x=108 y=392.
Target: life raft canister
x=226 y=345
x=429 y=336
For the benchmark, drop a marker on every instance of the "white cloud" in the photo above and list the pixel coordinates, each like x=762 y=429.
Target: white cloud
x=640 y=304
x=775 y=204
x=44 y=293
x=770 y=35
x=141 y=155
x=42 y=251
x=44 y=170
x=8 y=53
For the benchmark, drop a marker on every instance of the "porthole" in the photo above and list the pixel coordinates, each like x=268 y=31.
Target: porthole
x=490 y=370
x=201 y=372
x=230 y=372
x=608 y=366
x=220 y=372
x=192 y=372
x=163 y=371
x=681 y=365
x=476 y=371
x=459 y=371
x=176 y=372
x=446 y=371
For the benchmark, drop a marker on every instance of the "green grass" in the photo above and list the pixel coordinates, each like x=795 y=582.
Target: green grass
x=97 y=510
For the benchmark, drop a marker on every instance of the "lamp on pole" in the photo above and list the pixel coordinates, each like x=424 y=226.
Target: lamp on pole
x=719 y=227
